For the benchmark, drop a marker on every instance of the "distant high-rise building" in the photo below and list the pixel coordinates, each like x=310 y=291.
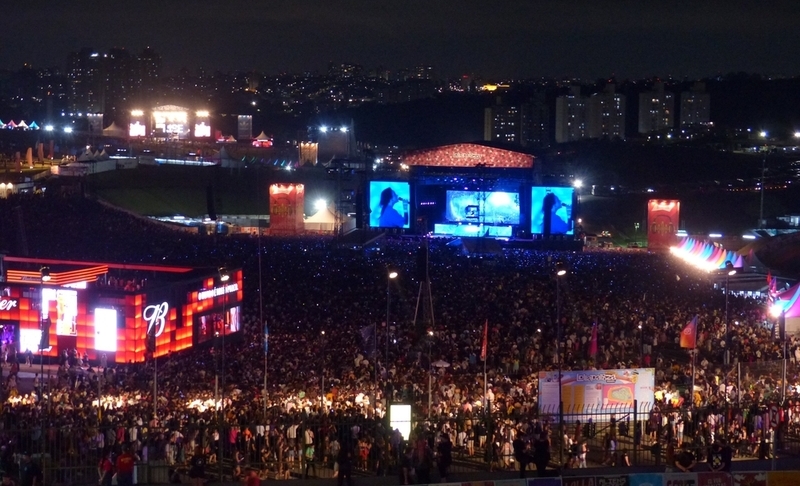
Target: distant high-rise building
x=423 y=72
x=344 y=70
x=149 y=74
x=695 y=106
x=605 y=114
x=85 y=81
x=118 y=70
x=501 y=123
x=656 y=110
x=524 y=124
x=571 y=116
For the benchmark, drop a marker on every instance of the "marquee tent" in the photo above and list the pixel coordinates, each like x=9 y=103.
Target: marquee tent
x=322 y=221
x=262 y=137
x=115 y=131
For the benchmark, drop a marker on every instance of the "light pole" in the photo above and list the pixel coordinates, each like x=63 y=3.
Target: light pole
x=561 y=270
x=729 y=271
x=391 y=276
x=322 y=373
x=224 y=276
x=430 y=373
x=44 y=273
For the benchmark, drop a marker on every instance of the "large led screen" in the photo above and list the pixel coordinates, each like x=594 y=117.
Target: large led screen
x=494 y=207
x=29 y=340
x=389 y=204
x=105 y=330
x=551 y=210
x=210 y=325
x=66 y=303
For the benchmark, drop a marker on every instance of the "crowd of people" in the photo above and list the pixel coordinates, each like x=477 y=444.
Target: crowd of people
x=325 y=406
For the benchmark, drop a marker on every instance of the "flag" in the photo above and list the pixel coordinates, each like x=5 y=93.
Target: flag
x=368 y=336
x=689 y=334
x=593 y=343
x=485 y=342
x=266 y=339
x=773 y=286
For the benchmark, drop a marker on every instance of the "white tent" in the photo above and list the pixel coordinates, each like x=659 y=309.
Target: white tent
x=230 y=139
x=86 y=156
x=322 y=221
x=262 y=137
x=22 y=124
x=114 y=130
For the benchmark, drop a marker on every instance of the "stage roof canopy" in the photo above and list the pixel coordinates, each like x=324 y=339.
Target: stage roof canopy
x=469 y=155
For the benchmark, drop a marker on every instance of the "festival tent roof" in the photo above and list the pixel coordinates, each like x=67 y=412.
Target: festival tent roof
x=707 y=256
x=102 y=155
x=86 y=156
x=114 y=130
x=33 y=126
x=22 y=124
x=230 y=139
x=324 y=215
x=11 y=124
x=262 y=136
x=2 y=125
x=789 y=302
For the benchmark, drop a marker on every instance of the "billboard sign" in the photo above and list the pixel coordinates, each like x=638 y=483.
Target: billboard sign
x=596 y=391
x=286 y=204
x=663 y=217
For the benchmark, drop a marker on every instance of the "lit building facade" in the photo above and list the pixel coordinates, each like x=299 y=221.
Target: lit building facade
x=656 y=110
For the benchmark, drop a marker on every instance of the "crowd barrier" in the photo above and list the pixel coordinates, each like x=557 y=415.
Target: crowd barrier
x=752 y=478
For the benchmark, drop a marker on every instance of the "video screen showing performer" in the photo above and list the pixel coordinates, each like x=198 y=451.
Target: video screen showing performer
x=389 y=204
x=551 y=210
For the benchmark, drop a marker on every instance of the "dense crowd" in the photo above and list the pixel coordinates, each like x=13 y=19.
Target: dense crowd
x=330 y=374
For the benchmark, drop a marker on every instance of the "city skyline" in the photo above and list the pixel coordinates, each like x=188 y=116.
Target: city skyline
x=577 y=39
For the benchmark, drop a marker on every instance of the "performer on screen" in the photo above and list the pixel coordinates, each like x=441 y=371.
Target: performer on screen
x=388 y=215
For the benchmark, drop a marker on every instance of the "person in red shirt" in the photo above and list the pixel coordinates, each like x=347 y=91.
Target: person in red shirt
x=252 y=479
x=125 y=464
x=105 y=470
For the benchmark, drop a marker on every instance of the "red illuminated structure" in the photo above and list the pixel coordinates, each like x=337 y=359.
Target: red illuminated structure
x=109 y=308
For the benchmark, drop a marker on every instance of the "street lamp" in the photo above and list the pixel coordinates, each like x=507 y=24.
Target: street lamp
x=390 y=276
x=561 y=270
x=44 y=273
x=430 y=373
x=224 y=276
x=322 y=373
x=729 y=271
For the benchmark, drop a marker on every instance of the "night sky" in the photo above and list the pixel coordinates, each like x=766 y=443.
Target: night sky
x=494 y=39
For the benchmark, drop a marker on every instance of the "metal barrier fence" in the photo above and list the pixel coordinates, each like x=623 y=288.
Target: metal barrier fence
x=643 y=435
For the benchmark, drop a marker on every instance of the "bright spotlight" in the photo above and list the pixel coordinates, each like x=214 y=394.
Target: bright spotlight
x=762 y=134
x=392 y=274
x=253 y=103
x=776 y=309
x=323 y=129
x=577 y=183
x=137 y=112
x=48 y=128
x=561 y=269
x=796 y=134
x=343 y=129
x=320 y=204
x=67 y=129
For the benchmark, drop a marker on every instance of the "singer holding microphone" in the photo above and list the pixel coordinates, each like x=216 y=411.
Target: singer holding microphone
x=389 y=216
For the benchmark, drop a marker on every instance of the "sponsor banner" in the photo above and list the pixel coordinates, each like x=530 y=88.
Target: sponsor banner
x=783 y=478
x=612 y=480
x=645 y=480
x=680 y=479
x=714 y=479
x=663 y=217
x=578 y=481
x=749 y=479
x=596 y=391
x=544 y=482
